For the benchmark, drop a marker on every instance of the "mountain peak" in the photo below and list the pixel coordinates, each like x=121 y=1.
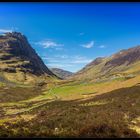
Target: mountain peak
x=17 y=56
x=96 y=61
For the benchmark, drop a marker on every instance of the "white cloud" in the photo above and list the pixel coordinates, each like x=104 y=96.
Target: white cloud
x=68 y=59
x=80 y=60
x=88 y=45
x=102 y=46
x=56 y=65
x=61 y=56
x=66 y=62
x=48 y=58
x=8 y=30
x=50 y=44
x=55 y=59
x=84 y=61
x=5 y=30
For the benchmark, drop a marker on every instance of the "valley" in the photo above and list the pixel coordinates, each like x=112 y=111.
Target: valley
x=104 y=109
x=100 y=100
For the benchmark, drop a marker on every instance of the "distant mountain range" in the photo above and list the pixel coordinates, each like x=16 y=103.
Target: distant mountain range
x=121 y=64
x=20 y=63
x=63 y=74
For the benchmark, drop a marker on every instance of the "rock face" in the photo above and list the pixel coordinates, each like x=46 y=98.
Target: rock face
x=63 y=74
x=17 y=56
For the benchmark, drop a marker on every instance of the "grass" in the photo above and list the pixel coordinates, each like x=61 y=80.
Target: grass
x=70 y=119
x=94 y=103
x=13 y=94
x=70 y=109
x=135 y=125
x=72 y=91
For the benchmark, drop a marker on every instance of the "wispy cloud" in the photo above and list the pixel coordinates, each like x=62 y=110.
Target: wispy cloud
x=65 y=61
x=88 y=45
x=84 y=61
x=68 y=59
x=8 y=30
x=61 y=56
x=5 y=30
x=50 y=44
x=62 y=66
x=102 y=46
x=80 y=60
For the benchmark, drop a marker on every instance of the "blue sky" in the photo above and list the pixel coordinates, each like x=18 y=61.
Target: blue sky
x=70 y=35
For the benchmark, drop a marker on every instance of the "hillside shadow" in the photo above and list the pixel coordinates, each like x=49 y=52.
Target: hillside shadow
x=13 y=94
x=122 y=92
x=104 y=120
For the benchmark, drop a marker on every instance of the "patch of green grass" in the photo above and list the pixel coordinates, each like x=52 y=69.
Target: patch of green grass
x=76 y=90
x=72 y=91
x=2 y=84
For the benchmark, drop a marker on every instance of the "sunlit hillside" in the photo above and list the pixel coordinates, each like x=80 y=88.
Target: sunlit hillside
x=69 y=70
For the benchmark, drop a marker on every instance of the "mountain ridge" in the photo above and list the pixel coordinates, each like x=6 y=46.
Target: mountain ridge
x=102 y=67
x=18 y=57
x=63 y=74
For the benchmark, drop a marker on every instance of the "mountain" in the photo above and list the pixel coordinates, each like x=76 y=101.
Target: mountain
x=124 y=63
x=124 y=57
x=63 y=74
x=18 y=60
